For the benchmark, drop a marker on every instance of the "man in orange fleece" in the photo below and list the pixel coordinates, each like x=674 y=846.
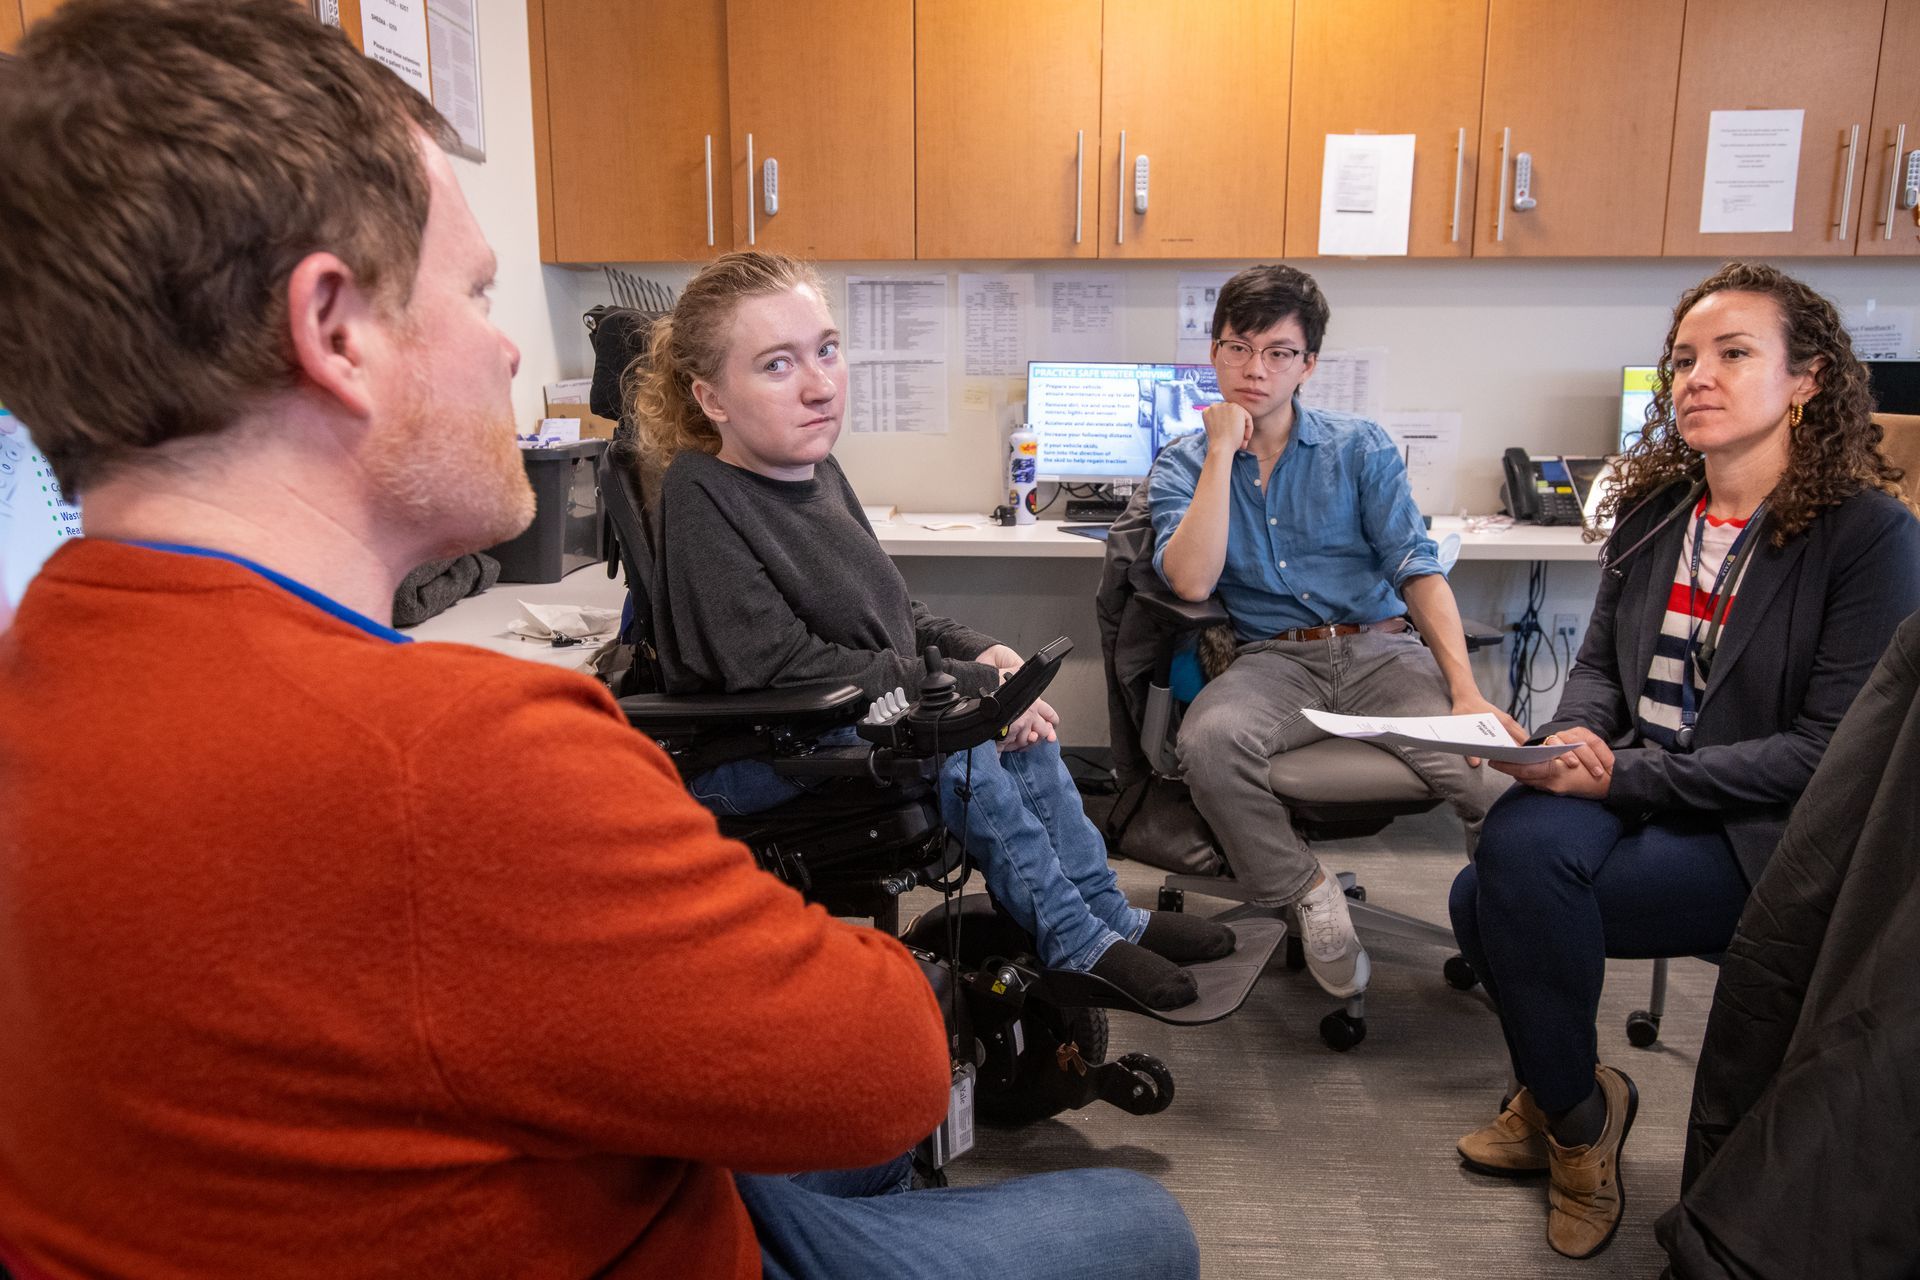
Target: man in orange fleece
x=326 y=954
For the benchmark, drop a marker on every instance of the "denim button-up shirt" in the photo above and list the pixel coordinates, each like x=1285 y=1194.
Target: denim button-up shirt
x=1332 y=538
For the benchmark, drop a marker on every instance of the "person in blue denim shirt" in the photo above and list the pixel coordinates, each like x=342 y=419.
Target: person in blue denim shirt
x=1301 y=521
x=769 y=576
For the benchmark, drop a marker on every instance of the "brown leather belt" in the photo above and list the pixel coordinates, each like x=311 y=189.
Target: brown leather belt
x=1386 y=626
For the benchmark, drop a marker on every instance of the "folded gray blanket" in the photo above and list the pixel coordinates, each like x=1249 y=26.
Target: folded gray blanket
x=438 y=585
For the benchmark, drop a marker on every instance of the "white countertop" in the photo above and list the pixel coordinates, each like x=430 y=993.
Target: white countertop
x=1046 y=538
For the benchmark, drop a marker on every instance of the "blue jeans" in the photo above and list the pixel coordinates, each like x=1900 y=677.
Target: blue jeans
x=1559 y=884
x=1100 y=1224
x=1044 y=860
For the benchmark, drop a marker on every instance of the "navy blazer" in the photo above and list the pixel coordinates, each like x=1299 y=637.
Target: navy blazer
x=1807 y=627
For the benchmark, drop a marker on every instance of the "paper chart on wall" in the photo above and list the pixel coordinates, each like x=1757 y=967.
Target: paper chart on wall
x=896 y=344
x=1366 y=194
x=453 y=45
x=395 y=35
x=1753 y=171
x=995 y=316
x=1430 y=446
x=1193 y=303
x=1347 y=381
x=1082 y=317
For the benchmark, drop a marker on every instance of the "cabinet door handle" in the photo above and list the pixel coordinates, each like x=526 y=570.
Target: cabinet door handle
x=1846 y=191
x=750 y=223
x=1893 y=177
x=709 y=191
x=1459 y=171
x=1120 y=199
x=1500 y=218
x=1080 y=179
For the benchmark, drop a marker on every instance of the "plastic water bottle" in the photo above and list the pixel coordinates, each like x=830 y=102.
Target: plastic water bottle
x=1023 y=461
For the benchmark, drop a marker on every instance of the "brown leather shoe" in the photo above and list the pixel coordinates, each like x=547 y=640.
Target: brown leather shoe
x=1586 y=1197
x=1514 y=1145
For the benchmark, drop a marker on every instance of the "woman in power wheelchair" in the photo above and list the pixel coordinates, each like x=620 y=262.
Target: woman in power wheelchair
x=768 y=576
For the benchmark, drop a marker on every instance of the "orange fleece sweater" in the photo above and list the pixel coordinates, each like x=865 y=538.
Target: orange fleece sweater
x=322 y=955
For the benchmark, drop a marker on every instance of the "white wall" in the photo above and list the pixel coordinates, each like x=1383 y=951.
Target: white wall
x=1528 y=352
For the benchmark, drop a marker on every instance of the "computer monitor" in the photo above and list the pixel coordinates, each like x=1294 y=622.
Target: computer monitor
x=1895 y=385
x=34 y=517
x=1102 y=422
x=1636 y=394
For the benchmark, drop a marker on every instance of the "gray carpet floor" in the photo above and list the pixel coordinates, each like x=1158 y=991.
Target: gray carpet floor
x=1295 y=1161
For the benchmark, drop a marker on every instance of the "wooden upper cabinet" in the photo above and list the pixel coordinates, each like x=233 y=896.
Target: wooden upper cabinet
x=1586 y=92
x=1896 y=122
x=10 y=25
x=1202 y=90
x=1007 y=116
x=1756 y=54
x=632 y=97
x=826 y=92
x=1390 y=66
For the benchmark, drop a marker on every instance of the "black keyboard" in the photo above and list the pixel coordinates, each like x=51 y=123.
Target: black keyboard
x=1094 y=511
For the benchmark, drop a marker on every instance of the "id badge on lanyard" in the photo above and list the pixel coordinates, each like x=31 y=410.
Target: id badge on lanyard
x=1699 y=654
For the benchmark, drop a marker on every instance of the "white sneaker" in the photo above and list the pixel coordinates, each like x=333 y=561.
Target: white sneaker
x=1334 y=955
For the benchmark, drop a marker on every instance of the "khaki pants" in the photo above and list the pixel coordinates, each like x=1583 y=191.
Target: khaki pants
x=1252 y=712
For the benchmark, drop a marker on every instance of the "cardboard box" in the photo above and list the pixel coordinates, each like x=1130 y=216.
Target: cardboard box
x=569 y=400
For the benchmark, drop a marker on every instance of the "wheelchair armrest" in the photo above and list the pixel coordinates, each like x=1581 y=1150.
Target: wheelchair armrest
x=1481 y=636
x=815 y=707
x=1184 y=615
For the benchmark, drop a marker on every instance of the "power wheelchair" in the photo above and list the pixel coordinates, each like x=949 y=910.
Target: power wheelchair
x=869 y=831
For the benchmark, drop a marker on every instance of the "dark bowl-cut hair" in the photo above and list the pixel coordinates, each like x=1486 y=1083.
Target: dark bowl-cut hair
x=1261 y=297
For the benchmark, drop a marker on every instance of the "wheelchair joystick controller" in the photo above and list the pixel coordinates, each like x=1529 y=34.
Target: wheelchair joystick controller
x=939 y=690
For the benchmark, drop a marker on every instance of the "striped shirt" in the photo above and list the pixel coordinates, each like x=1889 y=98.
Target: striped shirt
x=1689 y=609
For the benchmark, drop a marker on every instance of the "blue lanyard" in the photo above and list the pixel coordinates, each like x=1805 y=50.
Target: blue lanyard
x=1699 y=655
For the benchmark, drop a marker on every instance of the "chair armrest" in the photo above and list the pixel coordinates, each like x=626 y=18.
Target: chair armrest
x=822 y=706
x=1480 y=635
x=1184 y=615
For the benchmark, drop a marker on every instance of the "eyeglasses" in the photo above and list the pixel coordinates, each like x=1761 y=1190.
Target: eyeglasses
x=1274 y=359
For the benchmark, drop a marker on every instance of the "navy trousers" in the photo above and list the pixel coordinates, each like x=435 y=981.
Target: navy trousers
x=1559 y=884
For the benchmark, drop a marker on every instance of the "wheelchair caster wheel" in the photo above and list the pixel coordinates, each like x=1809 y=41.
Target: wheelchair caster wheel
x=1642 y=1029
x=1458 y=971
x=1296 y=954
x=1172 y=899
x=1152 y=1089
x=1340 y=1031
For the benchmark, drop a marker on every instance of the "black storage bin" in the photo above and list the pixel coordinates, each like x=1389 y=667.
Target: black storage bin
x=566 y=533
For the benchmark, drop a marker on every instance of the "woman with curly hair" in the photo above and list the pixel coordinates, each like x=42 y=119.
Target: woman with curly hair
x=1760 y=561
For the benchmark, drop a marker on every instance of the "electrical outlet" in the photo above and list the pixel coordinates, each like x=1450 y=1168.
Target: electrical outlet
x=1566 y=624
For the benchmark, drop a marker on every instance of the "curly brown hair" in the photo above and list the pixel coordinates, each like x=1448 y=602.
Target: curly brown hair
x=1832 y=455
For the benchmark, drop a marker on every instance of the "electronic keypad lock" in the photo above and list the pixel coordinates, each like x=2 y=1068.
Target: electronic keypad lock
x=1523 y=182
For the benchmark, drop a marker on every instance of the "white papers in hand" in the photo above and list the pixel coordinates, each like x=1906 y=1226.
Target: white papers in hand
x=1482 y=736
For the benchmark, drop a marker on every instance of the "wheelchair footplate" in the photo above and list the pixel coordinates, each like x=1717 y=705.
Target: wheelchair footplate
x=1224 y=984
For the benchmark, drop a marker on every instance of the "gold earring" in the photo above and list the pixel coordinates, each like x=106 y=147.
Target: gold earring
x=1794 y=414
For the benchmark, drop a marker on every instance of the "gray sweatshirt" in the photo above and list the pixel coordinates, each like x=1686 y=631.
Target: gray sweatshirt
x=763 y=584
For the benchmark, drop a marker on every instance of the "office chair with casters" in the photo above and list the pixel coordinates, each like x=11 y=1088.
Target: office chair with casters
x=869 y=830
x=1334 y=789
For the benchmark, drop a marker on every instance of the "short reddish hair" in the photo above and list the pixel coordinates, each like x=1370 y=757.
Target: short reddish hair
x=167 y=164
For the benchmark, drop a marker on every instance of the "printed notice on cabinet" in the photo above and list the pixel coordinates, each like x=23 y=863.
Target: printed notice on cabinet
x=994 y=313
x=896 y=344
x=1082 y=317
x=454 y=44
x=1366 y=194
x=395 y=34
x=1753 y=169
